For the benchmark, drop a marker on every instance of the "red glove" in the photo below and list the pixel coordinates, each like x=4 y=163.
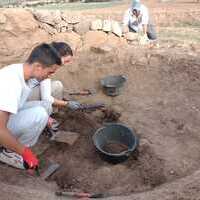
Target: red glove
x=30 y=160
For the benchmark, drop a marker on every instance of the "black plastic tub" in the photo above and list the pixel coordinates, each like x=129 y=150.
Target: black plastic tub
x=115 y=135
x=112 y=85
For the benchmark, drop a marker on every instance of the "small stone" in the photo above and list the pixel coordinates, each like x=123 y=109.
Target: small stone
x=49 y=29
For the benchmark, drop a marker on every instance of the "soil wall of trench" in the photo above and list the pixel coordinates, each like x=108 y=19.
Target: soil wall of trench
x=160 y=101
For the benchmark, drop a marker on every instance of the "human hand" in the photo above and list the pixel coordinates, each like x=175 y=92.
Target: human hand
x=30 y=160
x=73 y=105
x=53 y=124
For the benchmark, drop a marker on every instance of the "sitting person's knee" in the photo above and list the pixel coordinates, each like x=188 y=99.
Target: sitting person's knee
x=41 y=116
x=47 y=105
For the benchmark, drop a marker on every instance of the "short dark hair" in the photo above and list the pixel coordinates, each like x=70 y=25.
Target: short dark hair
x=44 y=54
x=63 y=48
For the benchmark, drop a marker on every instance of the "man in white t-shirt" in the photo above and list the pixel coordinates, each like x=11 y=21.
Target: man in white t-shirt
x=22 y=122
x=53 y=90
x=136 y=19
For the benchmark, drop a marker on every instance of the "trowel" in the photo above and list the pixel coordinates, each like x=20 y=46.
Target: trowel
x=80 y=195
x=52 y=168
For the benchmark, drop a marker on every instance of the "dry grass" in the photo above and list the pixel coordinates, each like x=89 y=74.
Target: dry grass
x=183 y=35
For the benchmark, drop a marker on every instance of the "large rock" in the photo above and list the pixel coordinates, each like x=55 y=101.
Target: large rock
x=70 y=19
x=102 y=48
x=48 y=28
x=57 y=17
x=2 y=18
x=72 y=38
x=44 y=16
x=19 y=33
x=107 y=25
x=96 y=25
x=93 y=38
x=83 y=27
x=17 y=21
x=116 y=28
x=131 y=36
x=115 y=41
x=61 y=26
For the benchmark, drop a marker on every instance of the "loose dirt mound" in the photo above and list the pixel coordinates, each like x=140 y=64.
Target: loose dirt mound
x=83 y=169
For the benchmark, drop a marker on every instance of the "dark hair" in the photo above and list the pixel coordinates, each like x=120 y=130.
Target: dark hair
x=44 y=54
x=63 y=48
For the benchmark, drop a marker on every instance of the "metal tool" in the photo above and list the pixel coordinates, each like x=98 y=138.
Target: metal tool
x=80 y=195
x=91 y=107
x=53 y=167
x=84 y=92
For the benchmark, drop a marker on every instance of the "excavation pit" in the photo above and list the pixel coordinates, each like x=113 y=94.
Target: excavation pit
x=84 y=170
x=160 y=101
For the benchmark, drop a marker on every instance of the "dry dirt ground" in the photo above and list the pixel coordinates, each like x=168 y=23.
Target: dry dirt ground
x=160 y=101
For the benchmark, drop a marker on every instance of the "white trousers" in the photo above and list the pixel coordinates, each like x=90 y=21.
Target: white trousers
x=29 y=122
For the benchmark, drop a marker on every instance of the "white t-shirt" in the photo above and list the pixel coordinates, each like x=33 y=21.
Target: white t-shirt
x=136 y=23
x=13 y=89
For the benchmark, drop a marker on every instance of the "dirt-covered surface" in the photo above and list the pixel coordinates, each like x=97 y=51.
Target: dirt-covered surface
x=84 y=170
x=160 y=101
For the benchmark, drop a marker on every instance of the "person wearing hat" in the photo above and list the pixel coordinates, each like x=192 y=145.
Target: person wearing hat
x=136 y=19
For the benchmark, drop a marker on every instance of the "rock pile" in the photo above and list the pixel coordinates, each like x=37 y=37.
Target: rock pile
x=59 y=22
x=31 y=3
x=55 y=22
x=107 y=26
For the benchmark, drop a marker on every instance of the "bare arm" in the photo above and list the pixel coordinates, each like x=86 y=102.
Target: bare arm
x=6 y=138
x=59 y=103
